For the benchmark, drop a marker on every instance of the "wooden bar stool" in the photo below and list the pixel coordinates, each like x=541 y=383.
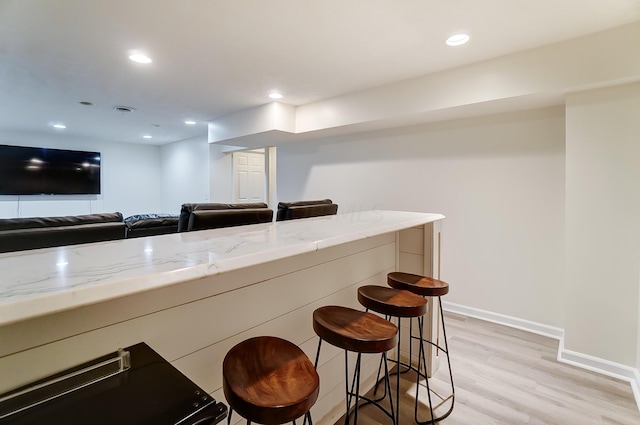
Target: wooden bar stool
x=359 y=332
x=393 y=303
x=270 y=381
x=426 y=287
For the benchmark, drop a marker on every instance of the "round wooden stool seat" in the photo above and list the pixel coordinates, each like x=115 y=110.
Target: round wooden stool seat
x=421 y=285
x=354 y=330
x=269 y=380
x=391 y=301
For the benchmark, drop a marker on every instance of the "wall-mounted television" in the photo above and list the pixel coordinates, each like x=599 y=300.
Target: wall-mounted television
x=44 y=171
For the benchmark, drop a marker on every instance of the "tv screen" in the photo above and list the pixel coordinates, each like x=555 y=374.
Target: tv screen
x=43 y=171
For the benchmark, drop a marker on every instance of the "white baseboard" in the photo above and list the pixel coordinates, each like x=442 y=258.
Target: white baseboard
x=604 y=367
x=584 y=361
x=502 y=319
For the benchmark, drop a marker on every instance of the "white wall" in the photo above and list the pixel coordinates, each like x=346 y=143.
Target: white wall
x=131 y=179
x=603 y=223
x=498 y=179
x=221 y=176
x=185 y=173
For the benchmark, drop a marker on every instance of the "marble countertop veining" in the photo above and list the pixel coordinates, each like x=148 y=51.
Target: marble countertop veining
x=38 y=282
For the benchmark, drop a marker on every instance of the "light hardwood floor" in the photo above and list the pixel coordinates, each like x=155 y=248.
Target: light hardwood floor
x=507 y=376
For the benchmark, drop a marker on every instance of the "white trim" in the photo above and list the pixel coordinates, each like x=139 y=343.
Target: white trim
x=584 y=361
x=605 y=367
x=502 y=319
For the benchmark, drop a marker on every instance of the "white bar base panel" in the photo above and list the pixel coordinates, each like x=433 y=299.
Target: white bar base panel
x=584 y=361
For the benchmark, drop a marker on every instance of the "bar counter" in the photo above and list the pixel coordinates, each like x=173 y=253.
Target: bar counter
x=192 y=296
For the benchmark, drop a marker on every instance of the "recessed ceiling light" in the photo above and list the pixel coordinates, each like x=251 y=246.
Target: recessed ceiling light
x=190 y=122
x=275 y=95
x=61 y=126
x=146 y=136
x=457 y=40
x=140 y=58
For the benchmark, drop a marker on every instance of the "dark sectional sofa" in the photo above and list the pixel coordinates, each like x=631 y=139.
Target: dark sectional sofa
x=18 y=234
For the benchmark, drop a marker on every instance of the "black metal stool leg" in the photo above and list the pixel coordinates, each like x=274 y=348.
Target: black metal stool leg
x=446 y=351
x=397 y=420
x=375 y=388
x=348 y=392
x=422 y=357
x=354 y=393
x=394 y=417
x=315 y=365
x=357 y=396
x=318 y=353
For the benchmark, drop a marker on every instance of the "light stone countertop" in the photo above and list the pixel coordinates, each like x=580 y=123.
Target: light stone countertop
x=39 y=282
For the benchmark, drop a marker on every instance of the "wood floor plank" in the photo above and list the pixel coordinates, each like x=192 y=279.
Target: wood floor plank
x=508 y=376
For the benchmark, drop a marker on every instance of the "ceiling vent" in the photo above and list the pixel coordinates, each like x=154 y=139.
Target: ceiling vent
x=124 y=108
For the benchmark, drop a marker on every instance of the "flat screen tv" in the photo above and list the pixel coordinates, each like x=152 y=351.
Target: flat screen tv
x=44 y=171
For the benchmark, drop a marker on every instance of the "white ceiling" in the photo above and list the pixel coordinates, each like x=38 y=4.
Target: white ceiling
x=215 y=57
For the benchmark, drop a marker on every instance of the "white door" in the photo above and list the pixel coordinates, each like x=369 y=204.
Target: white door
x=249 y=178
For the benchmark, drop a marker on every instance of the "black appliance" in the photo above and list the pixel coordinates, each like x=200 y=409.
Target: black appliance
x=43 y=171
x=133 y=386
